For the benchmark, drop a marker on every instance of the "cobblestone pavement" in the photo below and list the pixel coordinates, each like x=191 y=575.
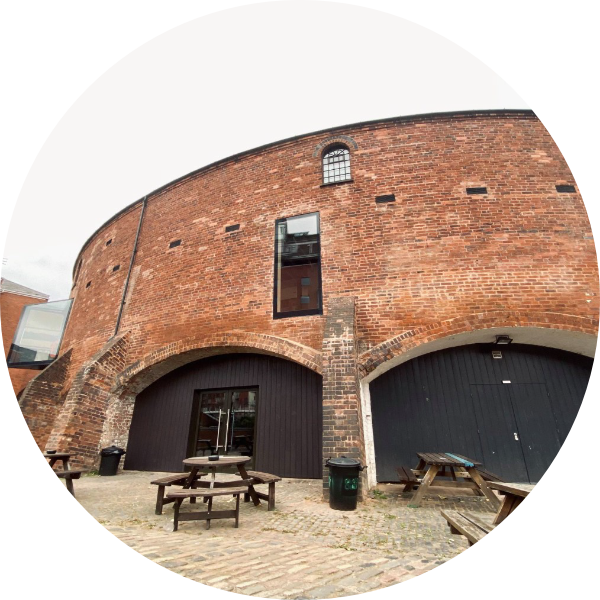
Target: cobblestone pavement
x=302 y=549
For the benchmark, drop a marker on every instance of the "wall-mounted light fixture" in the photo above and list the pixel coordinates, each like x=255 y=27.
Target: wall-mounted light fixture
x=503 y=340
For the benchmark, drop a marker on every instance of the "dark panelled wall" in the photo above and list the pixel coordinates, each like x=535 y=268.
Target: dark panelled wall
x=462 y=400
x=289 y=418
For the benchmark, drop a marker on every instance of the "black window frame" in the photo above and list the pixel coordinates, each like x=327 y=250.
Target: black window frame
x=328 y=151
x=296 y=313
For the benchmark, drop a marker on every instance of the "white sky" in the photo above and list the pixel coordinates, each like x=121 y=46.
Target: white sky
x=214 y=87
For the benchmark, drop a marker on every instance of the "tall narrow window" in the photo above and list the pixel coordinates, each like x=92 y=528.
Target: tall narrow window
x=336 y=164
x=297 y=289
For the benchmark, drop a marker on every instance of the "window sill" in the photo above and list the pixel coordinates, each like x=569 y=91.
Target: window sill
x=337 y=182
x=298 y=313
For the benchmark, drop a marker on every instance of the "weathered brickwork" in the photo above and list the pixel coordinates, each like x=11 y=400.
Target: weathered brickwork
x=80 y=423
x=43 y=398
x=435 y=262
x=11 y=307
x=342 y=419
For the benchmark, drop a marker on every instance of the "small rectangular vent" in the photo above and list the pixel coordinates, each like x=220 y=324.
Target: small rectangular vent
x=304 y=299
x=232 y=228
x=174 y=243
x=565 y=189
x=385 y=198
x=87 y=285
x=496 y=354
x=116 y=268
x=305 y=281
x=109 y=242
x=476 y=190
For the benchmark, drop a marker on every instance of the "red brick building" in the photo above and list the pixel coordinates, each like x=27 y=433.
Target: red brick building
x=13 y=297
x=344 y=292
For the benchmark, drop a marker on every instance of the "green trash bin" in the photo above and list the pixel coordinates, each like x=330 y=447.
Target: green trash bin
x=343 y=482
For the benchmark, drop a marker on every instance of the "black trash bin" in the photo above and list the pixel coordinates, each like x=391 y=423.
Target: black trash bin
x=109 y=460
x=343 y=482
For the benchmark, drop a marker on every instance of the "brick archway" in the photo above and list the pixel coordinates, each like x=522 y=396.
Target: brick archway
x=566 y=332
x=142 y=373
x=553 y=330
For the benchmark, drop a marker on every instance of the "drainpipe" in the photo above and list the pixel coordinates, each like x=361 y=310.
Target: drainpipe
x=133 y=253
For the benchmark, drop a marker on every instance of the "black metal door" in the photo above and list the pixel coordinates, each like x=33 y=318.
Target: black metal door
x=536 y=425
x=455 y=400
x=498 y=432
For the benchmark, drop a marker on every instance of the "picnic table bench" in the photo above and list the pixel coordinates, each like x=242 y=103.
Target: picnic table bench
x=178 y=496
x=259 y=478
x=472 y=526
x=67 y=473
x=408 y=478
x=181 y=479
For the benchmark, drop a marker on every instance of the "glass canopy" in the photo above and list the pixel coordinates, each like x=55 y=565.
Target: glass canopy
x=39 y=333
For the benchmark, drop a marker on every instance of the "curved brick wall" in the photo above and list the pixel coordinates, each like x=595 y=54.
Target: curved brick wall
x=433 y=255
x=436 y=263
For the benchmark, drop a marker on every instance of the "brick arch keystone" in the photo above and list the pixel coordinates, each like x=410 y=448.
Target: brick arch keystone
x=154 y=365
x=386 y=355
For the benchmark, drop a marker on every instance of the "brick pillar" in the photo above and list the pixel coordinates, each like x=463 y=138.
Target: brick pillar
x=342 y=418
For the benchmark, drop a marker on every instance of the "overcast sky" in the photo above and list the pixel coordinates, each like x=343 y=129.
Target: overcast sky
x=191 y=96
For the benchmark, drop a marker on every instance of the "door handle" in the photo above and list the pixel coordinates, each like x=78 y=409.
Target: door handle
x=218 y=431
x=226 y=433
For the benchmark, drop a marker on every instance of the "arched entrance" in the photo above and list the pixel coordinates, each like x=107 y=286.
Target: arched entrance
x=283 y=432
x=511 y=407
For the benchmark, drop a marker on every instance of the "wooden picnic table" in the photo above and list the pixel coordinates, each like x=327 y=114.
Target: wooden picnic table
x=67 y=473
x=454 y=466
x=198 y=463
x=514 y=494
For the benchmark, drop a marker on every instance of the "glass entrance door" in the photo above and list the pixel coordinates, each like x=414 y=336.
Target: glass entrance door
x=225 y=422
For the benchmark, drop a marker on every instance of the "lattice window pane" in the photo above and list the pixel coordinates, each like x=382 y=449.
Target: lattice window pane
x=336 y=165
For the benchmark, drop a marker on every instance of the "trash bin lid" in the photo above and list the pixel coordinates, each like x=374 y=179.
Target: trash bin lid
x=342 y=462
x=112 y=450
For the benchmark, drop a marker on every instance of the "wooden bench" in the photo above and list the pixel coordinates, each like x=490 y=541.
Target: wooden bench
x=163 y=482
x=68 y=476
x=489 y=476
x=259 y=478
x=178 y=496
x=468 y=524
x=408 y=478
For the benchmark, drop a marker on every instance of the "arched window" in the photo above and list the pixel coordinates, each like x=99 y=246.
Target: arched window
x=336 y=164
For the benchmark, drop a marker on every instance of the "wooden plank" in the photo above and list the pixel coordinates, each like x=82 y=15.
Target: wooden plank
x=469 y=485
x=478 y=521
x=206 y=493
x=205 y=516
x=517 y=489
x=509 y=504
x=415 y=501
x=458 y=523
x=476 y=477
x=69 y=474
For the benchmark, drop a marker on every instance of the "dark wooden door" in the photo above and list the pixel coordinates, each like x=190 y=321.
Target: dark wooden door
x=455 y=400
x=288 y=417
x=498 y=433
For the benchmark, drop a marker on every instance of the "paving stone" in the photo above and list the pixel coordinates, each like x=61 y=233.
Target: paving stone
x=302 y=550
